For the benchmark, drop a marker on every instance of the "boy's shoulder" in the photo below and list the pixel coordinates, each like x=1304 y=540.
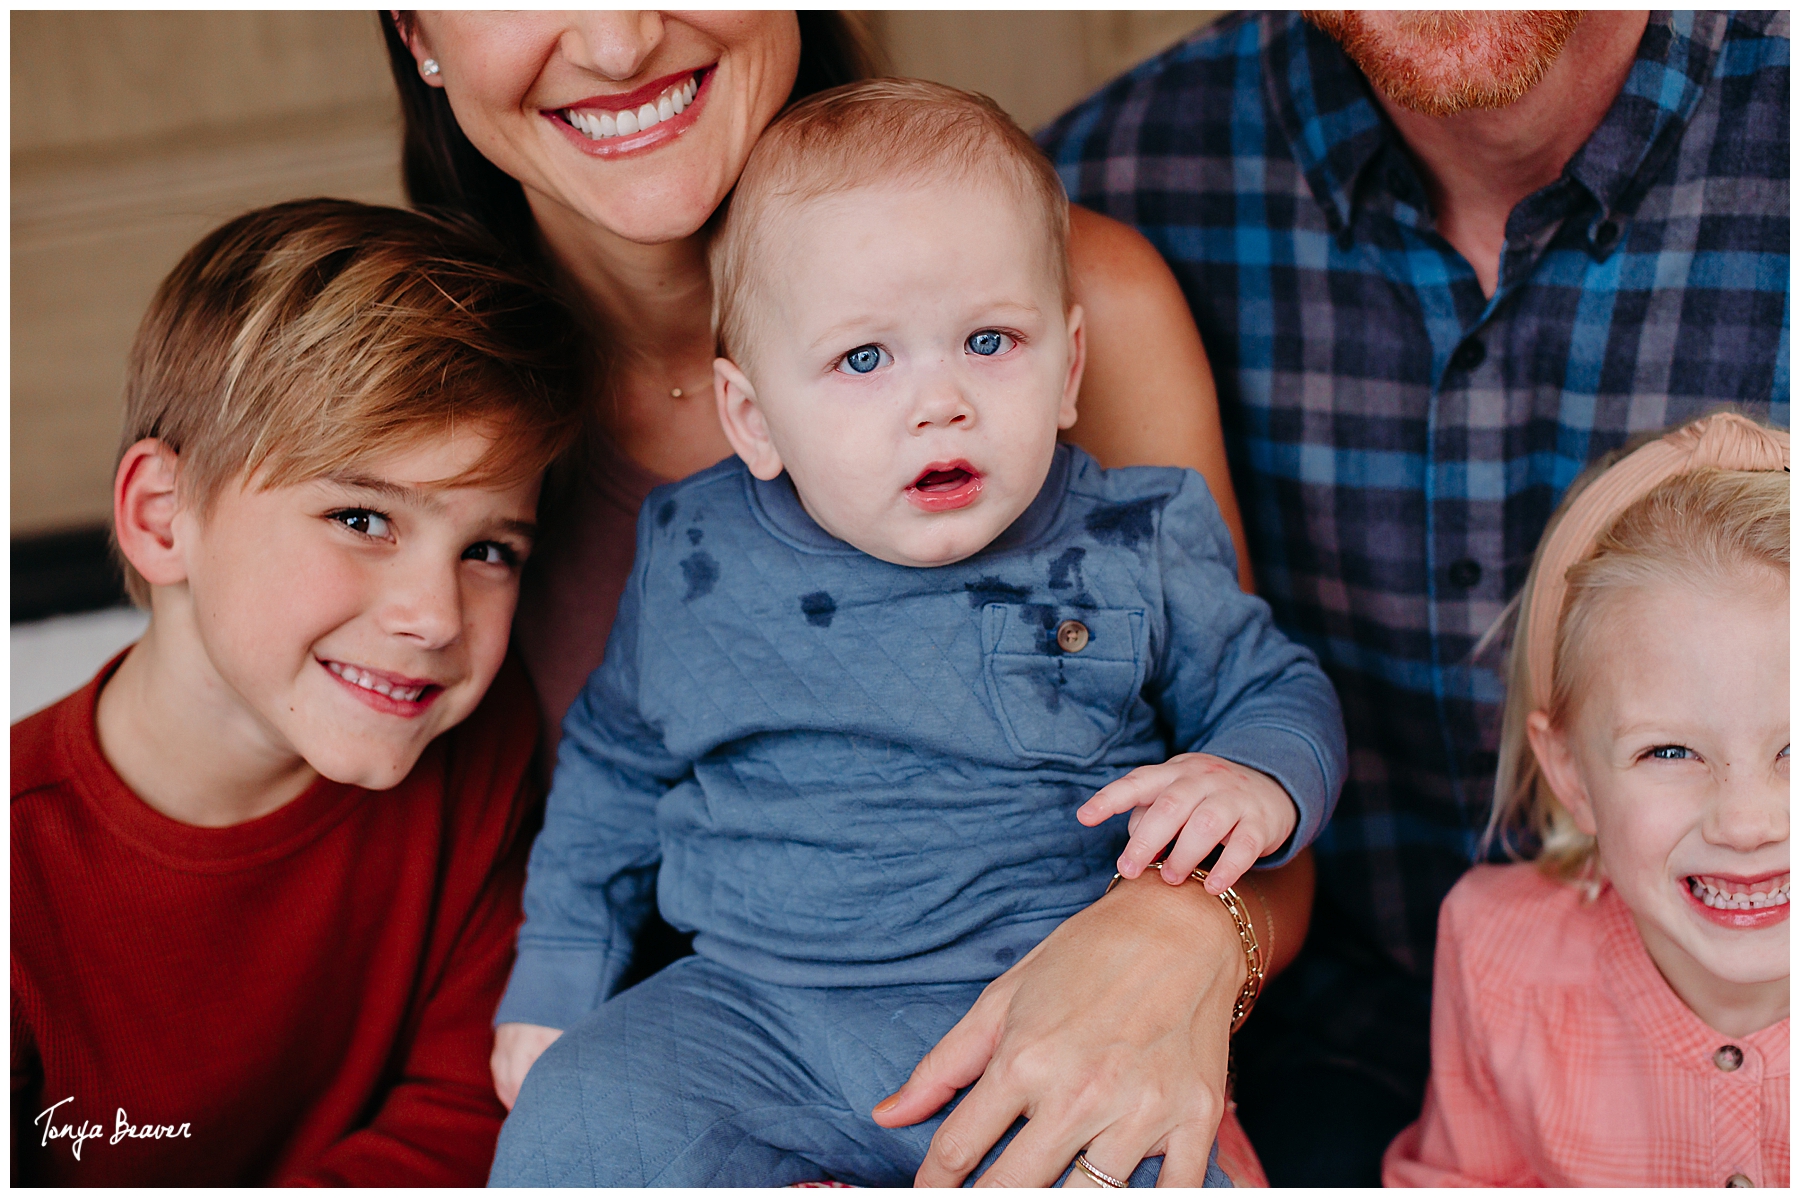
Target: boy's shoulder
x=1512 y=925
x=41 y=757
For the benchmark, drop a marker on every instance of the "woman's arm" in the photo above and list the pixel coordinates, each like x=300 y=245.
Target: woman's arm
x=1111 y=1035
x=1147 y=396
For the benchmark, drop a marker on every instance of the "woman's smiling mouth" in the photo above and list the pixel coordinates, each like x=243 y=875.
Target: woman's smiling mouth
x=661 y=109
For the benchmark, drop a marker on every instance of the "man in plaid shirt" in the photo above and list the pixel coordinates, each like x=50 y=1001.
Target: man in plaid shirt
x=1441 y=263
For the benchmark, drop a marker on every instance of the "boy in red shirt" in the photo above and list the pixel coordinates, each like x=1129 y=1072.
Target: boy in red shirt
x=266 y=865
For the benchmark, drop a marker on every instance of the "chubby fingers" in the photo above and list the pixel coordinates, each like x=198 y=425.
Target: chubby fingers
x=1136 y=789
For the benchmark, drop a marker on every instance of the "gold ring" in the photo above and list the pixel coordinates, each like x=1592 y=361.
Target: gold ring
x=1092 y=1170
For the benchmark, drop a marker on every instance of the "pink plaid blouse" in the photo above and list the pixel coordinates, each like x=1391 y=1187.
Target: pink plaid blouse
x=1560 y=1057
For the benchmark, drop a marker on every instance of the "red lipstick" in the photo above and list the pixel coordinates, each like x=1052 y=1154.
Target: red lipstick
x=615 y=103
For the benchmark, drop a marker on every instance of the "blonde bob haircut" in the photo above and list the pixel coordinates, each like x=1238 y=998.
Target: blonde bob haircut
x=1705 y=529
x=875 y=131
x=300 y=338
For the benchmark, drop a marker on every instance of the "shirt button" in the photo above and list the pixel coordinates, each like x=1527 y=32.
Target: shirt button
x=1729 y=1057
x=1605 y=235
x=1465 y=573
x=1072 y=636
x=1737 y=1181
x=1468 y=355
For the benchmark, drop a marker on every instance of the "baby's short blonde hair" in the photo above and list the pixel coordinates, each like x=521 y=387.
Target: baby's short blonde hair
x=301 y=337
x=1705 y=529
x=876 y=131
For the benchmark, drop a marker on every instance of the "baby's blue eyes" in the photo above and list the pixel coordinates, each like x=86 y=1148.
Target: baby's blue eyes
x=863 y=359
x=1671 y=752
x=866 y=358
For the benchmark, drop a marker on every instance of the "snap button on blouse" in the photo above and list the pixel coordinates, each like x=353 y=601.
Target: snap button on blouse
x=1729 y=1057
x=1071 y=636
x=1737 y=1181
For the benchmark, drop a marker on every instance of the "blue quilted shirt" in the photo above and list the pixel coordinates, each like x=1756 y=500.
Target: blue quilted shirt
x=838 y=771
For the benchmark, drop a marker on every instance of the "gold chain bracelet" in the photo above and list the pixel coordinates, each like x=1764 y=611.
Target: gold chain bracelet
x=1253 y=957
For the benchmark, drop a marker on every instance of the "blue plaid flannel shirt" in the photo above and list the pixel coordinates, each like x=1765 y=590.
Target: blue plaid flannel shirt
x=1398 y=441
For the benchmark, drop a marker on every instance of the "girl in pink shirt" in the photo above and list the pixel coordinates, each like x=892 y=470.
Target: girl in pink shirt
x=1615 y=1011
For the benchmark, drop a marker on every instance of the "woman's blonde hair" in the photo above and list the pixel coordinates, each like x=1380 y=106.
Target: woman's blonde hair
x=1702 y=527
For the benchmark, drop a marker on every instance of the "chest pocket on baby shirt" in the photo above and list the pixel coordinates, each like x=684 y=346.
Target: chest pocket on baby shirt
x=1054 y=703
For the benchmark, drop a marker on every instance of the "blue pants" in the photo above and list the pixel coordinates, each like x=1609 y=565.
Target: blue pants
x=703 y=1077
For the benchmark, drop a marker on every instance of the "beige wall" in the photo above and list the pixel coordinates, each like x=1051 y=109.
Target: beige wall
x=135 y=133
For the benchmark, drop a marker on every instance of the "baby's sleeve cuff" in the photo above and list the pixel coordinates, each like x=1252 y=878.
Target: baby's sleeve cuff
x=1292 y=759
x=555 y=985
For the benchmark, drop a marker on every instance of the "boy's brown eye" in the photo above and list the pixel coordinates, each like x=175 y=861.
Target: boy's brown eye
x=364 y=521
x=492 y=553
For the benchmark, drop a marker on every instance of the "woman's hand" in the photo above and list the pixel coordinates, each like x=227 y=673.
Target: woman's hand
x=517 y=1046
x=1111 y=1035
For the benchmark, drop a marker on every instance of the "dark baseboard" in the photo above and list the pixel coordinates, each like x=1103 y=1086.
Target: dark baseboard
x=61 y=573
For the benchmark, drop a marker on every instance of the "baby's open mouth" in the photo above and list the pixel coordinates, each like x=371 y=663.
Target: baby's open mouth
x=945 y=480
x=598 y=122
x=1733 y=894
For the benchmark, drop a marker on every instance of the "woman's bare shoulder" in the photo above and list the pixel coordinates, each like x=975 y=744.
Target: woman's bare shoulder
x=1112 y=263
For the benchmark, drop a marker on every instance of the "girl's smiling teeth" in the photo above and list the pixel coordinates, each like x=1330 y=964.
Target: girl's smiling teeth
x=1728 y=894
x=373 y=682
x=598 y=123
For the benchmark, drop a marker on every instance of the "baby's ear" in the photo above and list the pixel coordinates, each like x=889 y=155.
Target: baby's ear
x=1065 y=417
x=1557 y=763
x=145 y=504
x=743 y=421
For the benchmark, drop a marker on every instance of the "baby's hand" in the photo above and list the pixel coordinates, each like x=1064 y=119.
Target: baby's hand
x=1207 y=800
x=517 y=1046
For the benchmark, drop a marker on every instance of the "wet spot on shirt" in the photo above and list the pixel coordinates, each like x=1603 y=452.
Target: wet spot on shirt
x=819 y=607
x=994 y=590
x=1065 y=575
x=1005 y=955
x=1065 y=570
x=694 y=536
x=1127 y=524
x=665 y=513
x=701 y=572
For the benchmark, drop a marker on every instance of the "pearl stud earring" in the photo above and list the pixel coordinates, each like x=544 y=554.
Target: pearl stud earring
x=429 y=67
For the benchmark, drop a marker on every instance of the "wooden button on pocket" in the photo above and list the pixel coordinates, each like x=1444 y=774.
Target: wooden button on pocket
x=1071 y=636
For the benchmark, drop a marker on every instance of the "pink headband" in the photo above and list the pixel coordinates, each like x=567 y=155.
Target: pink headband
x=1724 y=441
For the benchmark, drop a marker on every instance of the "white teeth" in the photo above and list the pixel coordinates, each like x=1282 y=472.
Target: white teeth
x=597 y=124
x=368 y=682
x=1739 y=900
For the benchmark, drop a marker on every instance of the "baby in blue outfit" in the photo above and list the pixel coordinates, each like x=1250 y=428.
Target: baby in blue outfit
x=867 y=678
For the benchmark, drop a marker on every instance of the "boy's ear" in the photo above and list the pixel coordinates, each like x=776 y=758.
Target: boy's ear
x=144 y=509
x=743 y=421
x=1557 y=763
x=1065 y=418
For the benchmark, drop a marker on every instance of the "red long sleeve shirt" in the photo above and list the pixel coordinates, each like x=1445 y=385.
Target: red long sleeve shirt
x=304 y=998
